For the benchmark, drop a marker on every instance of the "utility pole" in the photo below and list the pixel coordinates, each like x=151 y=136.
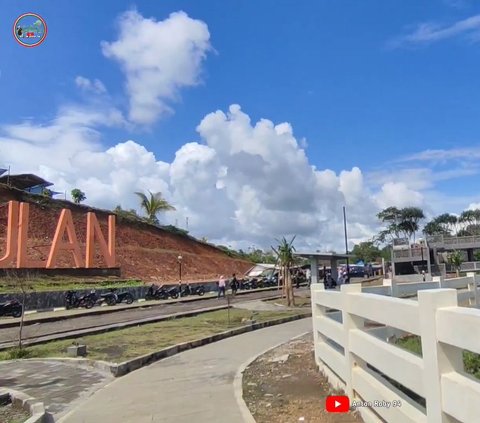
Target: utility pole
x=186 y=221
x=8 y=176
x=346 y=243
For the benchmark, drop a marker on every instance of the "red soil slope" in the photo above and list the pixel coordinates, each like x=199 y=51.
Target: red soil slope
x=143 y=251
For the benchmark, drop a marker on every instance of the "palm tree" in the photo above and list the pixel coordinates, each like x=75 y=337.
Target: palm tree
x=154 y=205
x=285 y=258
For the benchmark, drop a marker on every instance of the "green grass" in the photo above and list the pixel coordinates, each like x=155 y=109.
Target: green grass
x=471 y=361
x=62 y=284
x=124 y=344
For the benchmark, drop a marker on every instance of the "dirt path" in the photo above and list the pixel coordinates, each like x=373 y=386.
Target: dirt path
x=285 y=385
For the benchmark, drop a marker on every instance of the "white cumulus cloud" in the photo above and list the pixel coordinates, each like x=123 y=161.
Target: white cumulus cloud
x=241 y=183
x=158 y=58
x=96 y=86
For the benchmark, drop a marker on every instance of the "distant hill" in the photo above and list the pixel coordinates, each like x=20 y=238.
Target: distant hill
x=143 y=250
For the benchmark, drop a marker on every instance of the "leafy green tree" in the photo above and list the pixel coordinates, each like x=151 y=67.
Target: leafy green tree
x=444 y=224
x=366 y=251
x=398 y=222
x=78 y=196
x=153 y=205
x=435 y=228
x=455 y=258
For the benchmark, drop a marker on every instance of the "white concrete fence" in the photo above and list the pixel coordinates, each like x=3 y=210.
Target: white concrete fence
x=348 y=344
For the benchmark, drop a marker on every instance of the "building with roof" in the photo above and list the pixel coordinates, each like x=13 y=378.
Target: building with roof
x=27 y=182
x=316 y=258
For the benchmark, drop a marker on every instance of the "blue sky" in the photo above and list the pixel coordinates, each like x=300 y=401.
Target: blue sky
x=374 y=85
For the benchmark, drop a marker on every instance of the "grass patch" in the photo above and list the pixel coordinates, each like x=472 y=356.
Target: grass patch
x=124 y=344
x=39 y=284
x=471 y=361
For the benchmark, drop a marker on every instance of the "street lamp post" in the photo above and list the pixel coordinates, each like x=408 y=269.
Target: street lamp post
x=179 y=259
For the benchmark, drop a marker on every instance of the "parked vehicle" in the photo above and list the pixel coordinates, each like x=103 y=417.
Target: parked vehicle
x=110 y=298
x=249 y=284
x=11 y=308
x=156 y=293
x=72 y=300
x=122 y=297
x=173 y=292
x=196 y=290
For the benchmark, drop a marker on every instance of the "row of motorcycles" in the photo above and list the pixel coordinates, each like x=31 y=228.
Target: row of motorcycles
x=156 y=292
x=113 y=297
x=73 y=300
x=254 y=283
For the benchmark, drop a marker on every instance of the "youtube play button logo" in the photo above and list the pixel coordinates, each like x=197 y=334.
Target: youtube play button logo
x=337 y=404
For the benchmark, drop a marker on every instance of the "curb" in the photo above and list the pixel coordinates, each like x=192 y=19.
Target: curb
x=238 y=381
x=128 y=366
x=114 y=309
x=27 y=403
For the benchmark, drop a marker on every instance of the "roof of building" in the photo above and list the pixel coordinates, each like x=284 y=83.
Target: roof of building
x=24 y=181
x=322 y=256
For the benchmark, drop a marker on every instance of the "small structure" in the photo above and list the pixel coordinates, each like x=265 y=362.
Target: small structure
x=317 y=257
x=26 y=182
x=259 y=269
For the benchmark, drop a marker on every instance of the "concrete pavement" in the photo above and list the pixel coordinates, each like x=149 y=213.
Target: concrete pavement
x=59 y=384
x=196 y=385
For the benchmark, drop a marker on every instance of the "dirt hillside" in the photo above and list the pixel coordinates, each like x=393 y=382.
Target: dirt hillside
x=143 y=251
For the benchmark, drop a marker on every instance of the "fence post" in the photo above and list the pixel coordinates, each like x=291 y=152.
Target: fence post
x=350 y=322
x=438 y=358
x=317 y=311
x=472 y=287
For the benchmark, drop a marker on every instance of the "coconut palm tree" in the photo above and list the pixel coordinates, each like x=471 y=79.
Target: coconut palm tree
x=154 y=205
x=285 y=258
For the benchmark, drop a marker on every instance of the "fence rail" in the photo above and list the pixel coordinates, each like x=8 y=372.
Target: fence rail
x=359 y=358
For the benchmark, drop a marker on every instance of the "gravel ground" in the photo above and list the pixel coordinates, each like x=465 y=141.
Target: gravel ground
x=285 y=385
x=9 y=414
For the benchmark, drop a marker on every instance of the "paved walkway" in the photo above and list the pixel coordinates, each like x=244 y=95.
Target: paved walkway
x=58 y=384
x=194 y=386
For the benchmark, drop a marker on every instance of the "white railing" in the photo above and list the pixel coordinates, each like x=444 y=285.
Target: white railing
x=360 y=356
x=470 y=266
x=439 y=240
x=412 y=252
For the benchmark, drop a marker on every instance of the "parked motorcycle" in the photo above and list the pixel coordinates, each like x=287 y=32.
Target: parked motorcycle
x=122 y=297
x=249 y=284
x=173 y=292
x=110 y=298
x=196 y=290
x=156 y=293
x=72 y=300
x=11 y=308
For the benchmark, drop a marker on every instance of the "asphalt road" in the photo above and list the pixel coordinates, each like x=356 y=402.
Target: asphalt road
x=35 y=330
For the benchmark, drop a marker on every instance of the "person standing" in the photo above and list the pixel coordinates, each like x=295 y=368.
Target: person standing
x=221 y=286
x=234 y=284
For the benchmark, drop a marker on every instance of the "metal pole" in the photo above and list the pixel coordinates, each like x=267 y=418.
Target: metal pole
x=346 y=243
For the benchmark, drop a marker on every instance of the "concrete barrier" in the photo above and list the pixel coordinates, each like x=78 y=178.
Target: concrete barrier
x=35 y=408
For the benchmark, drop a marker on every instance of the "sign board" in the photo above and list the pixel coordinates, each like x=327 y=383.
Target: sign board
x=65 y=239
